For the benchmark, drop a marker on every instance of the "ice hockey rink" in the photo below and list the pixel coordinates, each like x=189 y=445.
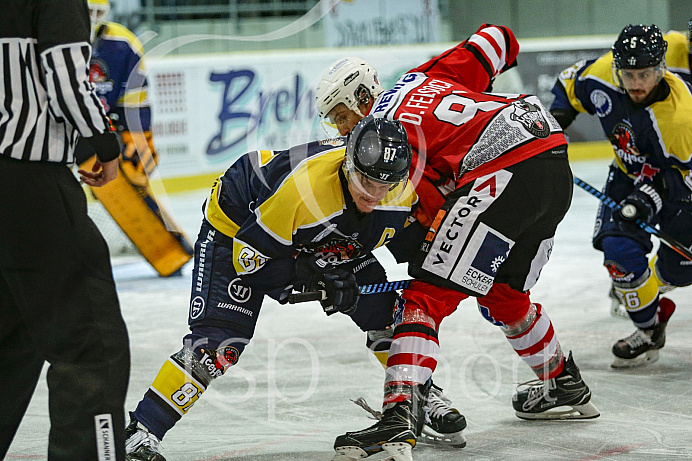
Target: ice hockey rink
x=288 y=397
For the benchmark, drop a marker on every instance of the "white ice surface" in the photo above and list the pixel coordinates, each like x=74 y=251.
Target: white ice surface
x=288 y=397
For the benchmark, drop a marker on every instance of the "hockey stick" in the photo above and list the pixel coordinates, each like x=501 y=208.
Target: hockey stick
x=364 y=290
x=613 y=205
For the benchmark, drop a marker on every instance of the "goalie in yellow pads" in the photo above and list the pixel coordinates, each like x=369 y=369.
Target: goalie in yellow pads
x=116 y=70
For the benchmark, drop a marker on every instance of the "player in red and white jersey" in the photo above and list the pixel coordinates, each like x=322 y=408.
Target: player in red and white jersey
x=493 y=178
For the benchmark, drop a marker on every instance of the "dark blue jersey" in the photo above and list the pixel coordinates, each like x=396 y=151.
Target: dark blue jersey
x=117 y=71
x=652 y=143
x=275 y=204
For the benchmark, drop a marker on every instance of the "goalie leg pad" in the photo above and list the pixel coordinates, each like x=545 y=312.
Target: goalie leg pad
x=166 y=250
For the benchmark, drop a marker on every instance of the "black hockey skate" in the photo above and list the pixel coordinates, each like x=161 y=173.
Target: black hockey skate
x=642 y=346
x=564 y=397
x=140 y=444
x=392 y=437
x=443 y=424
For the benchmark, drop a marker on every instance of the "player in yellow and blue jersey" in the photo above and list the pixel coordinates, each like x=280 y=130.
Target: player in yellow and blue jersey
x=646 y=113
x=116 y=69
x=306 y=218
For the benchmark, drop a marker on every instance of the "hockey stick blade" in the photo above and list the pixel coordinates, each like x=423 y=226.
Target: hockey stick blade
x=296 y=298
x=613 y=205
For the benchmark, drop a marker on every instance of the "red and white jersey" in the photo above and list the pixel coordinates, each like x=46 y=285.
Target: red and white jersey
x=459 y=133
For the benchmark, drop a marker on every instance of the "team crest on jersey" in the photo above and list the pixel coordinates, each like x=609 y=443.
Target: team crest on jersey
x=337 y=250
x=99 y=75
x=622 y=139
x=531 y=118
x=601 y=102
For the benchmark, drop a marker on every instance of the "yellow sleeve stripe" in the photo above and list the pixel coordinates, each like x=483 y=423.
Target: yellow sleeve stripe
x=310 y=195
x=135 y=98
x=215 y=215
x=175 y=386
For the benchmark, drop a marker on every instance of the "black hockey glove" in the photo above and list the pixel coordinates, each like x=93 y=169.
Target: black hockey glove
x=341 y=289
x=338 y=283
x=644 y=202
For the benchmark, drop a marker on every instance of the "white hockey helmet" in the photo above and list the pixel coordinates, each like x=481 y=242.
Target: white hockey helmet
x=351 y=81
x=98 y=14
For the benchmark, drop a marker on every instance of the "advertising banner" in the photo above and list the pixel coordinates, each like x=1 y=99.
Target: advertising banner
x=207 y=110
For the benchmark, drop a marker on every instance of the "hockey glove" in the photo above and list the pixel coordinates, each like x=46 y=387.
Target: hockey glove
x=643 y=203
x=341 y=290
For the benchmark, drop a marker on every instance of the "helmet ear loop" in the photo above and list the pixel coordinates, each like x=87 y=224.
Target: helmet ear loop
x=362 y=96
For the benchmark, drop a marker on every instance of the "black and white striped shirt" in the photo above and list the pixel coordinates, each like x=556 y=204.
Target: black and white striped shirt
x=46 y=98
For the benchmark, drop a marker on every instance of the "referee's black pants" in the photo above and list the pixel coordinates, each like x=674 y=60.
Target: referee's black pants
x=58 y=304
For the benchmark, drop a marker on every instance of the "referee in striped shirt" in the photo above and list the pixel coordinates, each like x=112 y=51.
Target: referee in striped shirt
x=58 y=302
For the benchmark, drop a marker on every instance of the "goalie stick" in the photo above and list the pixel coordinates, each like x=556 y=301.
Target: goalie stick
x=364 y=290
x=613 y=205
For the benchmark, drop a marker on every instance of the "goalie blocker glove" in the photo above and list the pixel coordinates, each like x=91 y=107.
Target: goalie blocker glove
x=643 y=203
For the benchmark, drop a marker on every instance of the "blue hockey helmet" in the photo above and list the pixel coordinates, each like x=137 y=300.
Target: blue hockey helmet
x=639 y=46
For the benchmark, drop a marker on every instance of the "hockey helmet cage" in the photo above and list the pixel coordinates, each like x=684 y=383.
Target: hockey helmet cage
x=351 y=81
x=378 y=149
x=98 y=14
x=639 y=46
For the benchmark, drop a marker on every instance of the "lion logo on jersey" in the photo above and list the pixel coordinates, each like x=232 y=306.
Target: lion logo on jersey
x=531 y=118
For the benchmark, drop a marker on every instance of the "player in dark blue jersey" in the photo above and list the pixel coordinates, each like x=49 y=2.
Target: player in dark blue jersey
x=306 y=218
x=646 y=113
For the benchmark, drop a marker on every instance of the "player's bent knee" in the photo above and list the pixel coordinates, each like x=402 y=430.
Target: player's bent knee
x=504 y=305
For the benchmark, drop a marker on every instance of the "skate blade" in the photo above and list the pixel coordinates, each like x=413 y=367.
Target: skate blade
x=432 y=437
x=565 y=412
x=349 y=454
x=639 y=361
x=391 y=451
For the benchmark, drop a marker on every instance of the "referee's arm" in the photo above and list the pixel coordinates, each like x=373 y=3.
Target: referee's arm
x=65 y=53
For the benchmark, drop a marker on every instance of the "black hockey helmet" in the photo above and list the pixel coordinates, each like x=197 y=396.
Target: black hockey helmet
x=639 y=46
x=378 y=149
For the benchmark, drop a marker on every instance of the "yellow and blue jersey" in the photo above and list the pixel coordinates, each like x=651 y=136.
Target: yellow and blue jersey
x=117 y=72
x=276 y=204
x=647 y=140
x=678 y=56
